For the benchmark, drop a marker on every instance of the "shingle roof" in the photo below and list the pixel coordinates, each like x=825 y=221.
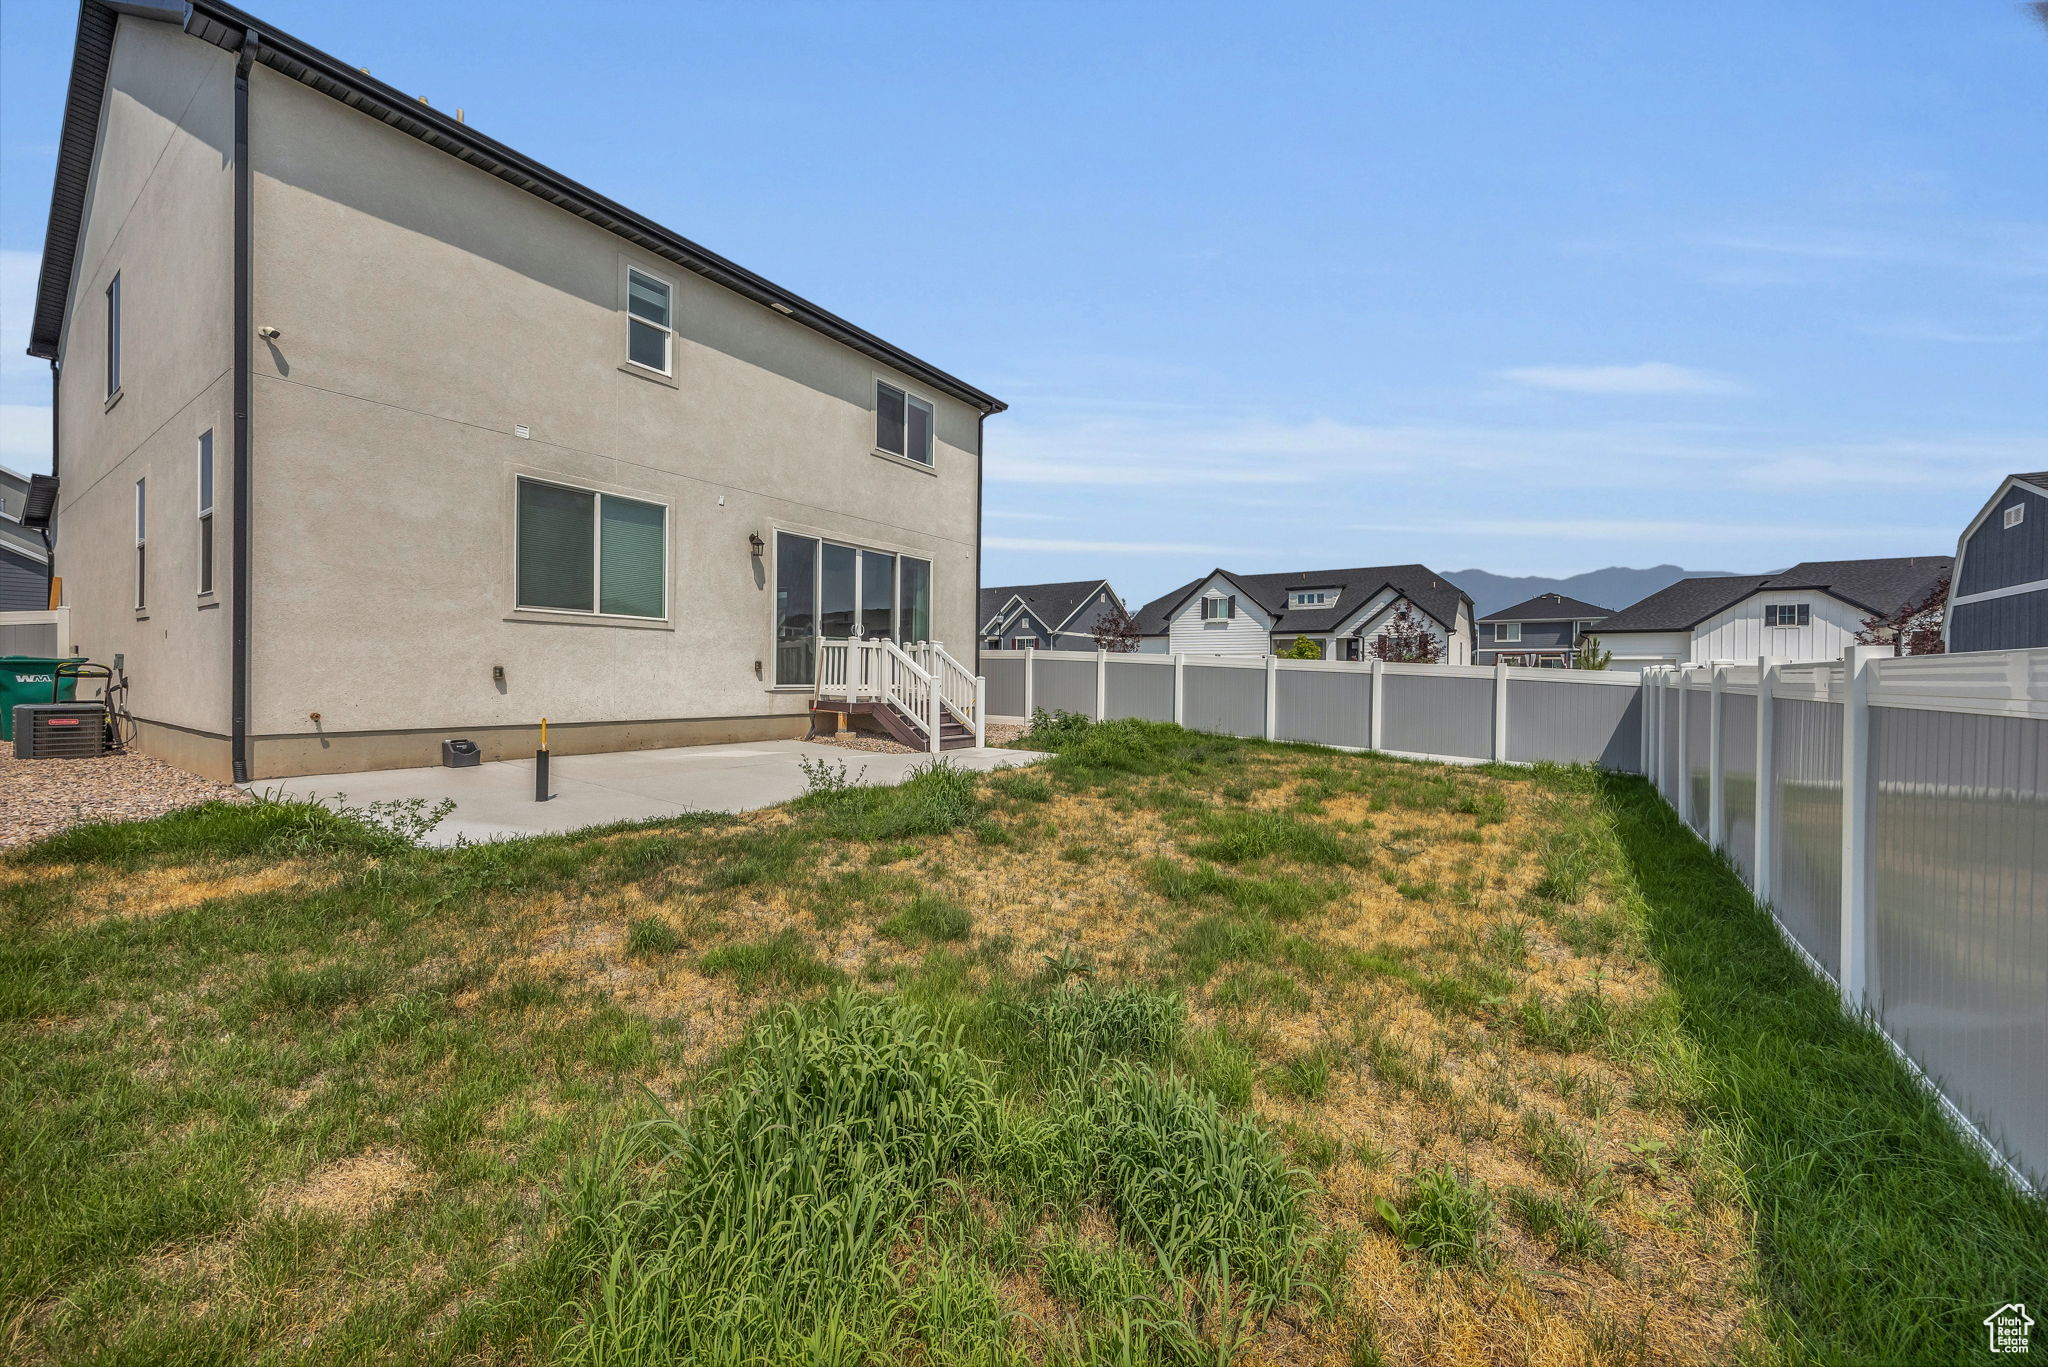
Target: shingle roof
x=1547 y=607
x=1052 y=604
x=2039 y=479
x=225 y=26
x=1419 y=584
x=1873 y=585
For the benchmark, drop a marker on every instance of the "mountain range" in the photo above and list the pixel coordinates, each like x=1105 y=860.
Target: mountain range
x=1615 y=587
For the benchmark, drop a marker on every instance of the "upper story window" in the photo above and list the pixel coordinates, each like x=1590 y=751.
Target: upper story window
x=1311 y=598
x=114 y=335
x=903 y=423
x=2015 y=515
x=650 y=320
x=1787 y=614
x=1507 y=631
x=1219 y=607
x=582 y=551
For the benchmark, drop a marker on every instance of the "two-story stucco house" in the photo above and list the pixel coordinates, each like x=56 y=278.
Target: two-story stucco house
x=1999 y=600
x=1046 y=616
x=374 y=432
x=1543 y=632
x=1226 y=613
x=1812 y=611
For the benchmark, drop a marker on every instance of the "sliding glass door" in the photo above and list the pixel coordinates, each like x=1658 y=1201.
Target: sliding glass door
x=826 y=589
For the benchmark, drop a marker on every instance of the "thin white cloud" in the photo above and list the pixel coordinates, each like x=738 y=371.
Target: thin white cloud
x=1647 y=377
x=1635 y=529
x=1029 y=543
x=1926 y=331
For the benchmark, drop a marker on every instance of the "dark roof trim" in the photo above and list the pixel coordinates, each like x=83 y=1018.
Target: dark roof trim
x=223 y=25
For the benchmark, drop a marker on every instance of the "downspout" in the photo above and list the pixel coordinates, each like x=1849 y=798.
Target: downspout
x=49 y=546
x=980 y=480
x=238 y=705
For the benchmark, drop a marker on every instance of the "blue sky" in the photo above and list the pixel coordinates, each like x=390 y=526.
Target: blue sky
x=1533 y=288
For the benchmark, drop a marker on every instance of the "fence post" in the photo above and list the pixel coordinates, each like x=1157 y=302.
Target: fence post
x=980 y=711
x=1682 y=781
x=1766 y=778
x=1377 y=709
x=935 y=714
x=1856 y=790
x=1179 y=690
x=1101 y=682
x=1272 y=692
x=1643 y=727
x=1717 y=800
x=1030 y=652
x=1500 y=708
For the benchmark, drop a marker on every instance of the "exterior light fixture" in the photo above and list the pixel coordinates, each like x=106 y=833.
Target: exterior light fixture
x=759 y=546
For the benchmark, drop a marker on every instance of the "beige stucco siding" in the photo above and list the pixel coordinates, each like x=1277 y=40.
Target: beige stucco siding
x=425 y=310
x=160 y=211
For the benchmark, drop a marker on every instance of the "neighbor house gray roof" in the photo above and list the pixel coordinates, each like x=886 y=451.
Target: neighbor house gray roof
x=1873 y=585
x=225 y=27
x=1547 y=607
x=1052 y=604
x=1419 y=584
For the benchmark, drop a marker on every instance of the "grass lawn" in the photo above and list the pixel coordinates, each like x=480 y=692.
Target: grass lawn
x=1171 y=1049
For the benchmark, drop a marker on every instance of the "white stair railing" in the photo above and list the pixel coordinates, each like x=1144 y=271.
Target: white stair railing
x=922 y=682
x=962 y=693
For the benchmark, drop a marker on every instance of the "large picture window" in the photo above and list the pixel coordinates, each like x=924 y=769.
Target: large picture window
x=582 y=551
x=823 y=588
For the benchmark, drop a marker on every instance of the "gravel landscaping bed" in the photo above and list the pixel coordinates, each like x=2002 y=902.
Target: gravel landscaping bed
x=40 y=797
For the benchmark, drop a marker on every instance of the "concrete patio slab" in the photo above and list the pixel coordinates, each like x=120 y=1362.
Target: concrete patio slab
x=495 y=801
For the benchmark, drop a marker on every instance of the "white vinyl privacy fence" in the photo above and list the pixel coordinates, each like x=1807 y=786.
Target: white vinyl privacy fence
x=1890 y=812
x=1467 y=712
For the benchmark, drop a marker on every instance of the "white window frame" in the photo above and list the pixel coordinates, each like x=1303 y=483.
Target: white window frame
x=1801 y=613
x=1507 y=631
x=142 y=544
x=597 y=552
x=114 y=336
x=668 y=329
x=930 y=459
x=1226 y=602
x=205 y=481
x=2013 y=517
x=1311 y=598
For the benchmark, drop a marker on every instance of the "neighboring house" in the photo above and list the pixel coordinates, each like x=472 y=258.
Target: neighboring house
x=1225 y=613
x=515 y=451
x=1543 y=632
x=24 y=569
x=1999 y=598
x=1810 y=612
x=1045 y=616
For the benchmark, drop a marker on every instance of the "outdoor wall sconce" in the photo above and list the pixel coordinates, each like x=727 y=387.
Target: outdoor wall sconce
x=759 y=546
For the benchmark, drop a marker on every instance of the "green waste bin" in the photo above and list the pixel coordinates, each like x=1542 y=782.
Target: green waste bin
x=27 y=678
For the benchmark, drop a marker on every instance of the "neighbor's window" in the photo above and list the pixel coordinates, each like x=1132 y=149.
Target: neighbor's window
x=992 y=643
x=1787 y=614
x=650 y=328
x=1310 y=598
x=114 y=335
x=2015 y=515
x=1218 y=607
x=1507 y=631
x=141 y=544
x=581 y=551
x=903 y=423
x=206 y=512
